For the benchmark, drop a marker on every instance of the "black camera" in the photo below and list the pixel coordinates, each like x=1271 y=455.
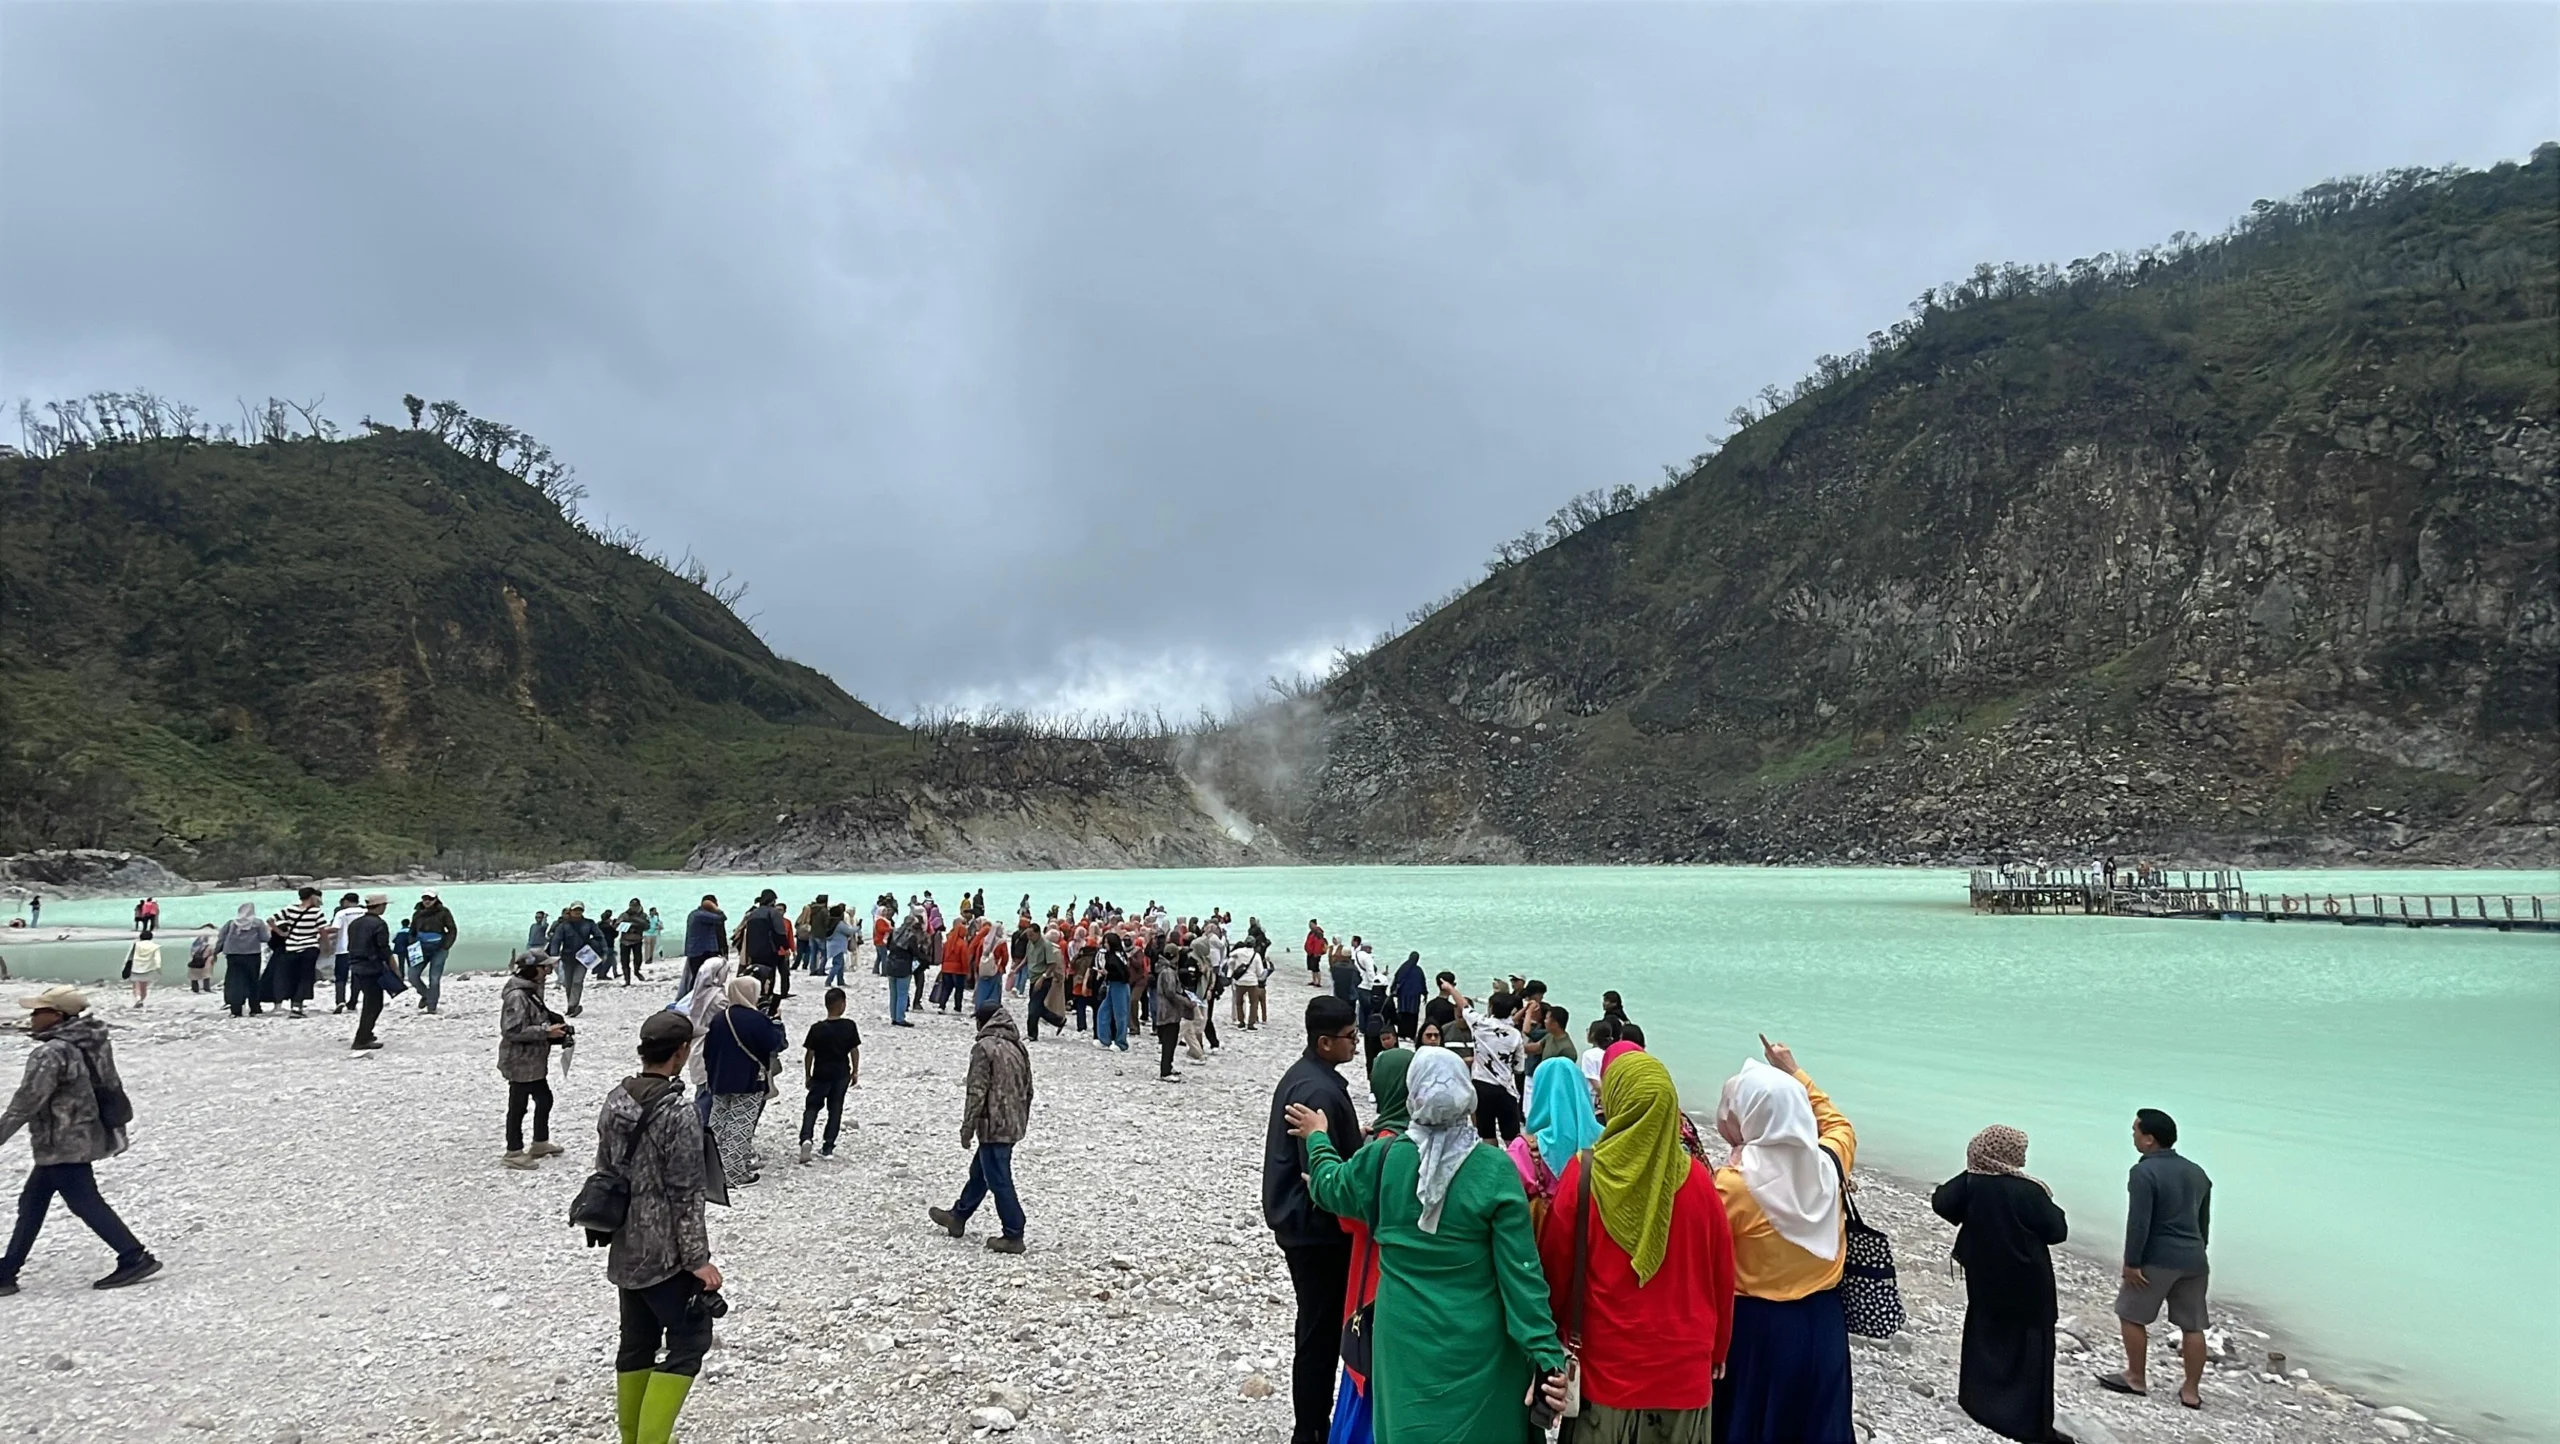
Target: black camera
x=709 y=1305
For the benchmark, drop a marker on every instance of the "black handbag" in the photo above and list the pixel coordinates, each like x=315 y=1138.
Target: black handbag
x=604 y=1200
x=1870 y=1298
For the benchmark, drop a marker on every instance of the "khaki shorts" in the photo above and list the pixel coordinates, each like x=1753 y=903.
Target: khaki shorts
x=2181 y=1289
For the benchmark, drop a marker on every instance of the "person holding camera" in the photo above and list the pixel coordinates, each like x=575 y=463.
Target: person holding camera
x=660 y=1256
x=527 y=1032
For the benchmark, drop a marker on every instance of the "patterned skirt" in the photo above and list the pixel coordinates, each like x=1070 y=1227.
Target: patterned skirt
x=733 y=1127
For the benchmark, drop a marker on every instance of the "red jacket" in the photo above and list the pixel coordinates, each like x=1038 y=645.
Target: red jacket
x=1654 y=1347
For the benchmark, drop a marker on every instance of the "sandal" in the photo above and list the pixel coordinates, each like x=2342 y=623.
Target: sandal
x=2185 y=1403
x=2119 y=1384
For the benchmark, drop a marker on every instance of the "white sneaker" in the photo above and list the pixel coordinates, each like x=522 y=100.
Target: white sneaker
x=805 y=1150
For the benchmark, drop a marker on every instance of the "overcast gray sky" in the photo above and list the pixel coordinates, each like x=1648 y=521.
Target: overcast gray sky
x=1121 y=356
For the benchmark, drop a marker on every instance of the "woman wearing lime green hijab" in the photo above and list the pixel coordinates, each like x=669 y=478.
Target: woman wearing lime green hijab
x=1656 y=1313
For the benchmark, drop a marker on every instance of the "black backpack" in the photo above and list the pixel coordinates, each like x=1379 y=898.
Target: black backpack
x=604 y=1200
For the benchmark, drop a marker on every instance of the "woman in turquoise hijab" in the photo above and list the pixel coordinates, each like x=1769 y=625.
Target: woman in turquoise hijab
x=1560 y=1122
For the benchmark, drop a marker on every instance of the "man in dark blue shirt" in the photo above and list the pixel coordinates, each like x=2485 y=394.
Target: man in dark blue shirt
x=2168 y=1221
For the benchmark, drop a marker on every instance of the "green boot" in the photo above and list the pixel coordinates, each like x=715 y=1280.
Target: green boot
x=658 y=1411
x=628 y=1390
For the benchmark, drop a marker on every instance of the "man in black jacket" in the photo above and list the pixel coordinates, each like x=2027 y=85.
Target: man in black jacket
x=368 y=958
x=761 y=936
x=1318 y=1251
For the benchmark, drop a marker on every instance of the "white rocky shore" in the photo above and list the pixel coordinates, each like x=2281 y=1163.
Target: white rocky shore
x=347 y=1260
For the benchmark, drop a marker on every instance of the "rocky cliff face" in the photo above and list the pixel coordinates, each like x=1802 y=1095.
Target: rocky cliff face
x=2247 y=554
x=996 y=799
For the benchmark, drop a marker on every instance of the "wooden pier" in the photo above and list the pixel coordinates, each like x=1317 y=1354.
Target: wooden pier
x=2224 y=896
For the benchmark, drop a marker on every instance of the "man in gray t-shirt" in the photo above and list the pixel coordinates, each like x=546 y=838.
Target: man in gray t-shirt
x=2168 y=1221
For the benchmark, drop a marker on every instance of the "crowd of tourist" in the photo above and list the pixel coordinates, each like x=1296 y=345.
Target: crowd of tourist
x=1527 y=1234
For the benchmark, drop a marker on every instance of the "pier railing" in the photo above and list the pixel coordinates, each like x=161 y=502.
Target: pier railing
x=2223 y=894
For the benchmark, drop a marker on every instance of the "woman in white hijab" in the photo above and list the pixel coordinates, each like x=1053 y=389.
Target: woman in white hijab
x=1787 y=1377
x=1462 y=1328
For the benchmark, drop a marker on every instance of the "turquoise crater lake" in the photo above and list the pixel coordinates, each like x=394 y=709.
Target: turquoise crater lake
x=2379 y=1107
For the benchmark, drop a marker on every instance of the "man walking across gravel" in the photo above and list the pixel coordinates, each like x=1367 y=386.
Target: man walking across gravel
x=1318 y=1251
x=367 y=965
x=437 y=933
x=706 y=935
x=831 y=1060
x=2168 y=1220
x=995 y=1116
x=70 y=1068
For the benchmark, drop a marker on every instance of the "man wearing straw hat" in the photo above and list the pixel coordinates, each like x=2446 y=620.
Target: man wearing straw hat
x=70 y=1068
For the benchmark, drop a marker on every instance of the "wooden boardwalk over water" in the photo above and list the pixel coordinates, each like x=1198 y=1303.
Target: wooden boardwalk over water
x=2223 y=895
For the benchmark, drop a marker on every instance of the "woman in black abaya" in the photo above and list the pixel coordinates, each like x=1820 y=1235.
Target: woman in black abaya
x=2006 y=1226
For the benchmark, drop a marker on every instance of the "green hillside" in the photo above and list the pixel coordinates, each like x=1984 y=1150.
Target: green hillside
x=316 y=654
x=2244 y=543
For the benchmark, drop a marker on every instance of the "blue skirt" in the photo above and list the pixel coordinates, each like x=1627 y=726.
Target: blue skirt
x=1786 y=1380
x=1350 y=1414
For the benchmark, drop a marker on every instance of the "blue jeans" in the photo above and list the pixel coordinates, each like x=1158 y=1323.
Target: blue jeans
x=898 y=999
x=991 y=1171
x=990 y=993
x=429 y=979
x=835 y=968
x=1112 y=1026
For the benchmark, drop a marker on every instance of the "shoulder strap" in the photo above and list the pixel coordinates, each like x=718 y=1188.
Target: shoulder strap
x=631 y=1145
x=1581 y=1253
x=1848 y=1206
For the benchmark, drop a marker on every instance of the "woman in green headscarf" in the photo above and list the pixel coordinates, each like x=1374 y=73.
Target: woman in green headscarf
x=1462 y=1324
x=1351 y=1397
x=1655 y=1316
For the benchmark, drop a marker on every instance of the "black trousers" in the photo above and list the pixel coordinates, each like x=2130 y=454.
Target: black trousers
x=829 y=1095
x=240 y=982
x=77 y=1186
x=1167 y=1035
x=367 y=991
x=1036 y=1008
x=662 y=1316
x=1497 y=1112
x=537 y=1093
x=1318 y=1275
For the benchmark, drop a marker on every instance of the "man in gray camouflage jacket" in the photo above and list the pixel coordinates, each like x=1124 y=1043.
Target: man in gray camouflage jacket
x=661 y=1256
x=57 y=1103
